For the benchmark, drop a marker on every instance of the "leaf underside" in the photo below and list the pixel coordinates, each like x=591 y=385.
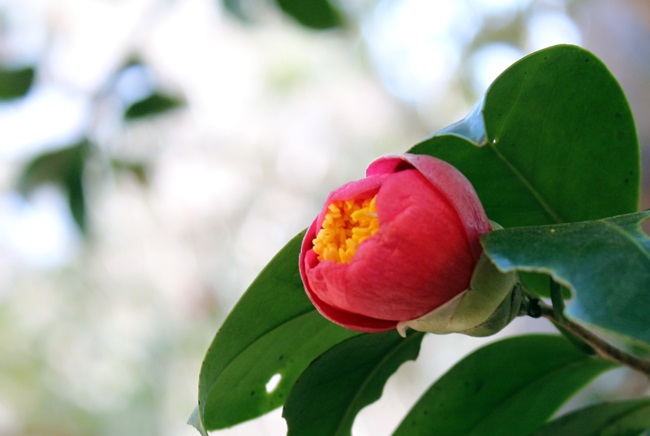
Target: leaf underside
x=606 y=263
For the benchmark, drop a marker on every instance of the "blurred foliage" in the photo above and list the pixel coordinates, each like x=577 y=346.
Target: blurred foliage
x=154 y=104
x=138 y=169
x=65 y=169
x=315 y=14
x=312 y=14
x=15 y=82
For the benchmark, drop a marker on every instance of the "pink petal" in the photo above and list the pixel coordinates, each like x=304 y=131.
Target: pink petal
x=448 y=180
x=418 y=260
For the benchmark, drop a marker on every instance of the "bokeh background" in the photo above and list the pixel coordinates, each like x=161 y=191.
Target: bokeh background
x=155 y=154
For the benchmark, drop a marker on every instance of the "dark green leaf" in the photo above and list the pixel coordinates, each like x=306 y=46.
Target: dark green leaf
x=606 y=263
x=52 y=167
x=552 y=122
x=15 y=83
x=64 y=168
x=273 y=329
x=336 y=386
x=315 y=14
x=74 y=187
x=154 y=104
x=510 y=387
x=629 y=417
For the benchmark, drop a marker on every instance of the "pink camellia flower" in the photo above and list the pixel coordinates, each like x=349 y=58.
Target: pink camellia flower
x=399 y=249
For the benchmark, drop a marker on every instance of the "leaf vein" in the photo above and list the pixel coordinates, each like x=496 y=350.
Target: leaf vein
x=552 y=214
x=618 y=229
x=370 y=376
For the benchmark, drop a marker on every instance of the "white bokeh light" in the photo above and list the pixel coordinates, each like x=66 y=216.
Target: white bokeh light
x=38 y=232
x=551 y=27
x=416 y=44
x=48 y=117
x=490 y=61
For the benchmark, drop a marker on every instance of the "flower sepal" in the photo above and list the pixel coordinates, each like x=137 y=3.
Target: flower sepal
x=493 y=299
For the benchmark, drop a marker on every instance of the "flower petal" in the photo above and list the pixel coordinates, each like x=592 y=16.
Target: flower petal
x=418 y=260
x=351 y=320
x=446 y=178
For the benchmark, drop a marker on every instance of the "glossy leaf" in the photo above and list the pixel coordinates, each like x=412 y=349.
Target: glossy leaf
x=314 y=14
x=629 y=417
x=606 y=263
x=152 y=105
x=508 y=387
x=538 y=148
x=15 y=83
x=273 y=329
x=336 y=386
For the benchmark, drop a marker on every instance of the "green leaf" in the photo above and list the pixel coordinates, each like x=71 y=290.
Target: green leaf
x=314 y=14
x=629 y=417
x=508 y=387
x=154 y=104
x=15 y=83
x=336 y=386
x=64 y=168
x=538 y=148
x=273 y=329
x=51 y=167
x=606 y=263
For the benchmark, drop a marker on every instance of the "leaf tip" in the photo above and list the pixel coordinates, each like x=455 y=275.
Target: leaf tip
x=195 y=421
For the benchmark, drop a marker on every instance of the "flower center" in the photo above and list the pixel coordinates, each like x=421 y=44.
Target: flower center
x=346 y=225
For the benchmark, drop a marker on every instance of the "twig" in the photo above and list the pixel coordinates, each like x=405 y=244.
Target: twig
x=601 y=347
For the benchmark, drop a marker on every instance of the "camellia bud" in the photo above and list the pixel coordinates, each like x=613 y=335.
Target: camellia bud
x=400 y=249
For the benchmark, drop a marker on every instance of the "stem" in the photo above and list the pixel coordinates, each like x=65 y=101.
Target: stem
x=604 y=349
x=557 y=299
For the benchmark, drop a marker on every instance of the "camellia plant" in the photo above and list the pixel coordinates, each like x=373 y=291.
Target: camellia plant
x=527 y=207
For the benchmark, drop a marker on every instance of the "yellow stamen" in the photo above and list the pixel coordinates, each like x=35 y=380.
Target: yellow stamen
x=345 y=226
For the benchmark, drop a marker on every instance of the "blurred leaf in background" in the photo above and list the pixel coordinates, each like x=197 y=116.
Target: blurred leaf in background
x=312 y=14
x=315 y=14
x=63 y=168
x=154 y=104
x=15 y=82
